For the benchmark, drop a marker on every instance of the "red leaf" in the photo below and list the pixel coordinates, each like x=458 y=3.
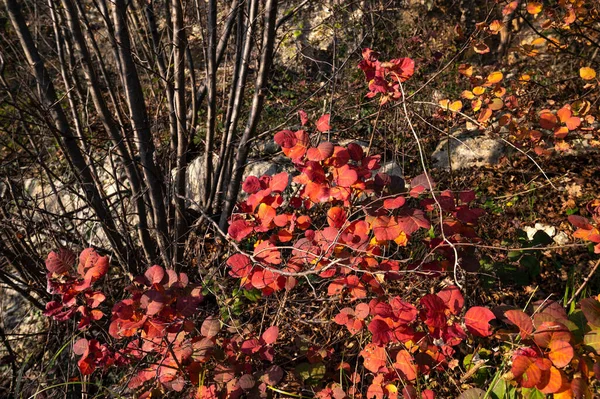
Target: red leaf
x=521 y=320
x=356 y=288
x=340 y=156
x=356 y=152
x=320 y=153
x=380 y=330
x=267 y=252
x=477 y=321
x=323 y=123
x=270 y=335
x=580 y=222
x=61 y=262
x=404 y=311
x=402 y=69
x=394 y=203
x=286 y=139
x=303 y=117
x=155 y=274
x=263 y=278
x=239 y=229
x=210 y=327
x=433 y=313
x=345 y=176
x=453 y=299
x=336 y=217
x=279 y=182
x=251 y=185
x=412 y=222
x=386 y=228
x=80 y=346
x=240 y=265
x=362 y=311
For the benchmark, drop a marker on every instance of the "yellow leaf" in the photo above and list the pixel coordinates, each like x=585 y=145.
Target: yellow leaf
x=494 y=77
x=465 y=69
x=525 y=78
x=534 y=7
x=468 y=95
x=587 y=73
x=538 y=41
x=454 y=107
x=478 y=90
x=496 y=26
x=499 y=91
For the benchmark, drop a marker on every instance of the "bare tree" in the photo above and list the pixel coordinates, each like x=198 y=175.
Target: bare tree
x=114 y=87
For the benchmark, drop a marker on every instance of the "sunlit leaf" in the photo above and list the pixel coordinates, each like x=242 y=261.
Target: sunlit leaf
x=477 y=321
x=587 y=73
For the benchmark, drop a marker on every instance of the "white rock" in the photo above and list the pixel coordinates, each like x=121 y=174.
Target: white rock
x=468 y=150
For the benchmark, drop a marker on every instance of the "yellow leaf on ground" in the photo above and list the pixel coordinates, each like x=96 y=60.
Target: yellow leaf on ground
x=534 y=7
x=587 y=73
x=494 y=77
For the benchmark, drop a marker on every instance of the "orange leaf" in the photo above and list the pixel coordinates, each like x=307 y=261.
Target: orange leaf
x=406 y=366
x=534 y=7
x=561 y=353
x=375 y=358
x=465 y=69
x=521 y=320
x=345 y=176
x=552 y=381
x=510 y=8
x=587 y=73
x=494 y=77
x=484 y=115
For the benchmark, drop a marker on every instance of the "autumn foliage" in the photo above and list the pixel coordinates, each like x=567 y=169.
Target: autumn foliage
x=333 y=223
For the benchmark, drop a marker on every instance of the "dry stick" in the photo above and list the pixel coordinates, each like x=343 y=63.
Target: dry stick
x=424 y=166
x=179 y=47
x=266 y=60
x=62 y=129
x=134 y=96
x=110 y=126
x=588 y=278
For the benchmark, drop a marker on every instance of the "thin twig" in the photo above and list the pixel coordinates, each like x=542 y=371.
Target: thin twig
x=582 y=286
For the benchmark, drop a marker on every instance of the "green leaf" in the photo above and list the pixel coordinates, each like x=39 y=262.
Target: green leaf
x=541 y=238
x=532 y=393
x=311 y=373
x=252 y=295
x=592 y=339
x=502 y=390
x=514 y=255
x=591 y=310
